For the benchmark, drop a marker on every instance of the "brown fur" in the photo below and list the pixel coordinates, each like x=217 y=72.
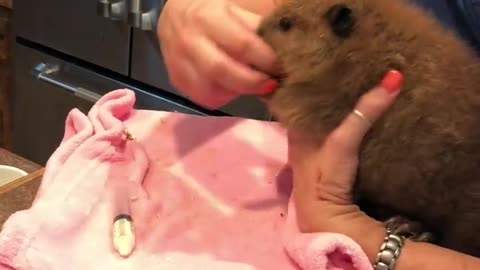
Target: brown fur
x=422 y=158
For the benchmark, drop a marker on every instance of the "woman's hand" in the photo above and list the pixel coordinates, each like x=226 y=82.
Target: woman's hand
x=324 y=176
x=323 y=180
x=209 y=46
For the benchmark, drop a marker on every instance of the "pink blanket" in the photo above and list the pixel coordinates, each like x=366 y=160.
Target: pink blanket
x=205 y=192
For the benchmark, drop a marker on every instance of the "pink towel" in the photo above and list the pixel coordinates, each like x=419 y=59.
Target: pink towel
x=205 y=192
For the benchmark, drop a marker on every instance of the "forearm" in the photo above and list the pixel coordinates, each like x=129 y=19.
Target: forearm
x=417 y=256
x=369 y=235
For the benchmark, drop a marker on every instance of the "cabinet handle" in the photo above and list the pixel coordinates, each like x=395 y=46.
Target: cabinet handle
x=112 y=9
x=138 y=19
x=44 y=71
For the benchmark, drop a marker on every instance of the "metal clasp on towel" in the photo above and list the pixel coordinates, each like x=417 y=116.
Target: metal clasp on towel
x=128 y=135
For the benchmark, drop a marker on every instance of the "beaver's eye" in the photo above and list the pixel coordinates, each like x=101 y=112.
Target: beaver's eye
x=341 y=20
x=285 y=24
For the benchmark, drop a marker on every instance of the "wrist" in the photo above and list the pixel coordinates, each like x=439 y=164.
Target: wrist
x=368 y=233
x=348 y=220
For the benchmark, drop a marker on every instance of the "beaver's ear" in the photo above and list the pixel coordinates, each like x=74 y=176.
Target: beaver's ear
x=341 y=20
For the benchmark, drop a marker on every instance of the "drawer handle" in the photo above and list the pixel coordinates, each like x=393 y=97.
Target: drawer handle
x=139 y=19
x=112 y=9
x=43 y=72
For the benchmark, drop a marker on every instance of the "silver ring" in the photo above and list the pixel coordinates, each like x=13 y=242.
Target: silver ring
x=363 y=117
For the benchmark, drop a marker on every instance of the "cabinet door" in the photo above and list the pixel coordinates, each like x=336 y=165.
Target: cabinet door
x=148 y=67
x=74 y=28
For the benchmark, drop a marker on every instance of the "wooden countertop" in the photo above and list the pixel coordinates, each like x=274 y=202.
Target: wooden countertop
x=19 y=194
x=10 y=159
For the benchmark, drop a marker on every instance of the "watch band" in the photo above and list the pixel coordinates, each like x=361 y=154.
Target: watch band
x=389 y=251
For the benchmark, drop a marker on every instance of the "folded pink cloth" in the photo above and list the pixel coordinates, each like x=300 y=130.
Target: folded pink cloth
x=205 y=193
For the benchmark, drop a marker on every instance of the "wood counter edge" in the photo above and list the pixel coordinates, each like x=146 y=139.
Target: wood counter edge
x=21 y=181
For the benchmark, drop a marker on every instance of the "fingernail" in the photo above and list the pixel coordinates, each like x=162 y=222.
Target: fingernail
x=269 y=87
x=392 y=81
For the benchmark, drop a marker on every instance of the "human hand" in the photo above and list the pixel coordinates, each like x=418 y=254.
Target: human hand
x=209 y=46
x=324 y=176
x=323 y=181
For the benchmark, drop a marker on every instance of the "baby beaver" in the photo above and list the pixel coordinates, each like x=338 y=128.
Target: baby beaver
x=421 y=160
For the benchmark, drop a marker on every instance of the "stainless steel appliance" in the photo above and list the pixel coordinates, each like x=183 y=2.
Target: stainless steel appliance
x=68 y=53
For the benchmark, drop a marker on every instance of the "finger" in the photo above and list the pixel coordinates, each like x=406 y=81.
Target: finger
x=180 y=72
x=227 y=73
x=248 y=19
x=251 y=21
x=370 y=108
x=186 y=79
x=196 y=89
x=240 y=41
x=213 y=97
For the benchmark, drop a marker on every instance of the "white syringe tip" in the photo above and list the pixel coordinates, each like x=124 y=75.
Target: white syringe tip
x=124 y=245
x=123 y=235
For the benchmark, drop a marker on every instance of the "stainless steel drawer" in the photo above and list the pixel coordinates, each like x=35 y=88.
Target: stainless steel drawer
x=47 y=88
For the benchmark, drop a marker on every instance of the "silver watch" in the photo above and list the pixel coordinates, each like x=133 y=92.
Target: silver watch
x=389 y=251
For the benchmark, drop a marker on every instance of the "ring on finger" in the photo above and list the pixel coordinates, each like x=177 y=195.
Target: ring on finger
x=360 y=115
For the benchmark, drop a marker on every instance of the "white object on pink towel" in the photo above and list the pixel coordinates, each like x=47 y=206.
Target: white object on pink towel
x=206 y=193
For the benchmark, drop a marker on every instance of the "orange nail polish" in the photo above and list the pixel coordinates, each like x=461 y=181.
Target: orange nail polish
x=392 y=81
x=269 y=87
